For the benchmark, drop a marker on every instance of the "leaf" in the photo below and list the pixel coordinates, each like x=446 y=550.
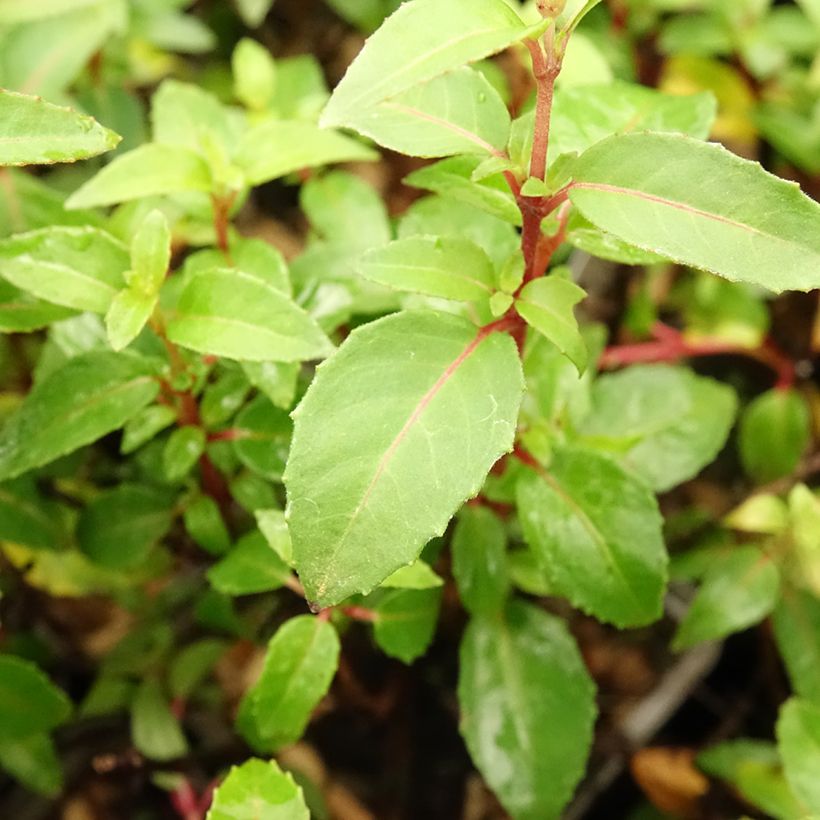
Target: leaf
x=480 y=561
x=456 y=113
x=250 y=567
x=29 y=701
x=740 y=588
x=35 y=132
x=193 y=664
x=775 y=430
x=154 y=729
x=597 y=532
x=276 y=148
x=418 y=575
x=452 y=177
x=527 y=709
x=263 y=438
x=253 y=14
x=798 y=739
x=448 y=267
x=637 y=187
x=275 y=529
x=419 y=42
x=27 y=518
x=418 y=406
x=119 y=528
x=406 y=622
x=233 y=314
x=79 y=268
x=665 y=423
x=204 y=523
x=90 y=396
x=20 y=11
x=257 y=789
x=254 y=74
x=182 y=450
x=34 y=762
x=127 y=316
x=299 y=665
x=145 y=425
x=150 y=170
x=21 y=312
x=150 y=254
x=546 y=304
x=797 y=631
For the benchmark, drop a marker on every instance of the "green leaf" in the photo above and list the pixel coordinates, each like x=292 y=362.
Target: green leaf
x=253 y=14
x=418 y=575
x=234 y=314
x=452 y=177
x=20 y=11
x=119 y=528
x=597 y=532
x=456 y=113
x=254 y=74
x=740 y=588
x=258 y=788
x=299 y=665
x=154 y=729
x=182 y=450
x=274 y=527
x=480 y=561
x=637 y=187
x=797 y=631
x=448 y=267
x=34 y=132
x=775 y=430
x=29 y=701
x=27 y=518
x=250 y=567
x=193 y=664
x=34 y=762
x=150 y=170
x=798 y=739
x=279 y=147
x=263 y=438
x=92 y=395
x=204 y=523
x=546 y=304
x=150 y=254
x=418 y=406
x=20 y=312
x=127 y=315
x=665 y=423
x=145 y=425
x=79 y=268
x=418 y=42
x=527 y=709
x=406 y=622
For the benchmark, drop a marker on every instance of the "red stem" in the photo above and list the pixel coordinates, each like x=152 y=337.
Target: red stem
x=222 y=222
x=186 y=802
x=545 y=69
x=360 y=613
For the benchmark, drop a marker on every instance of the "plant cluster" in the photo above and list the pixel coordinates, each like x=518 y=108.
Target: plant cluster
x=243 y=453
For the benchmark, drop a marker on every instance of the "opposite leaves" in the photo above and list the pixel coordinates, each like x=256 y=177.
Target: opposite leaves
x=401 y=425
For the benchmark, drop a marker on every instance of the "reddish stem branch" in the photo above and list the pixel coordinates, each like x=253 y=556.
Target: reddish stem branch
x=545 y=69
x=670 y=345
x=222 y=221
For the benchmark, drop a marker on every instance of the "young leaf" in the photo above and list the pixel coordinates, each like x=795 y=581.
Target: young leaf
x=204 y=523
x=254 y=74
x=29 y=701
x=637 y=187
x=798 y=739
x=448 y=267
x=34 y=132
x=90 y=396
x=420 y=41
x=406 y=622
x=299 y=665
x=456 y=113
x=250 y=567
x=279 y=147
x=34 y=762
x=234 y=314
x=546 y=304
x=480 y=561
x=274 y=527
x=775 y=430
x=597 y=532
x=419 y=406
x=150 y=170
x=740 y=588
x=663 y=422
x=120 y=527
x=155 y=730
x=79 y=268
x=253 y=13
x=524 y=694
x=150 y=254
x=127 y=315
x=184 y=446
x=257 y=789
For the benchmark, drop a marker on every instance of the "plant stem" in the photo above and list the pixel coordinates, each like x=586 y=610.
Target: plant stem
x=545 y=69
x=222 y=221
